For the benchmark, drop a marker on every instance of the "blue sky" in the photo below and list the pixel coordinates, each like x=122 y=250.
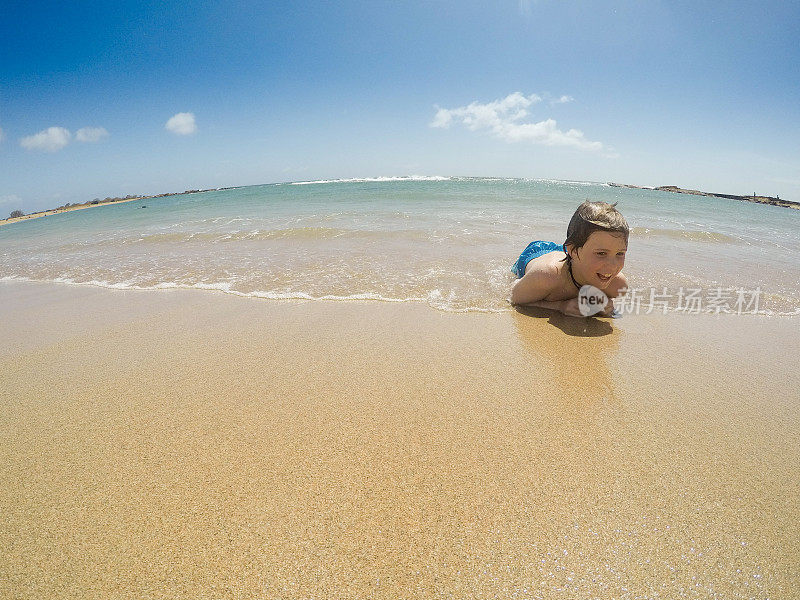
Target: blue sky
x=697 y=94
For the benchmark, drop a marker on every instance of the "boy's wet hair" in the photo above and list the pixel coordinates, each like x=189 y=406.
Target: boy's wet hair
x=591 y=217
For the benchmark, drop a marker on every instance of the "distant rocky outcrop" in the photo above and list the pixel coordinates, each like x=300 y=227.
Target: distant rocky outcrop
x=773 y=201
x=91 y=203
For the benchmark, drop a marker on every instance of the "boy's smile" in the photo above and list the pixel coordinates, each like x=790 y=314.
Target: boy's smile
x=600 y=259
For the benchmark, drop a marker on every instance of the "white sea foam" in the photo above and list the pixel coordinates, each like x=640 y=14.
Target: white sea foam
x=400 y=178
x=222 y=286
x=376 y=179
x=568 y=182
x=435 y=298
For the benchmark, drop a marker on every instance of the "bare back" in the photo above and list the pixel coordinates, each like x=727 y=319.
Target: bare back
x=545 y=279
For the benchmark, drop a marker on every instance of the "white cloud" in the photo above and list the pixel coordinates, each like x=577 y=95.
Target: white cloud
x=487 y=116
x=91 y=134
x=51 y=139
x=181 y=124
x=505 y=120
x=562 y=100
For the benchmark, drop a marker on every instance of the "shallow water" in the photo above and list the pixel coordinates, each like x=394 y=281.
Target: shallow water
x=447 y=242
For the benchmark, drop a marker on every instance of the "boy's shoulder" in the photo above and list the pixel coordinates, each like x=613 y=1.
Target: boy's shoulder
x=542 y=280
x=547 y=265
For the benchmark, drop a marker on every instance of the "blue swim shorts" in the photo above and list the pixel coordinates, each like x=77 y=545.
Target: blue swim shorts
x=534 y=250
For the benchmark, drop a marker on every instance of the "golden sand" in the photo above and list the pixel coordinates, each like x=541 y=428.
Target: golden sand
x=183 y=444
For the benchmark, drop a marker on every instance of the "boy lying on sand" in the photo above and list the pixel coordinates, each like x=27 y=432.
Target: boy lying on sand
x=552 y=275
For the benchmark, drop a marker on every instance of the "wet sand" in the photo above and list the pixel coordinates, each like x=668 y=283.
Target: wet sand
x=188 y=444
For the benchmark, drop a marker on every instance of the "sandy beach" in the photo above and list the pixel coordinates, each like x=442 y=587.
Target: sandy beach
x=190 y=444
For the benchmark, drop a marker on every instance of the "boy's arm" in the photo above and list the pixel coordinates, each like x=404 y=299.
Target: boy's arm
x=618 y=286
x=567 y=307
x=535 y=285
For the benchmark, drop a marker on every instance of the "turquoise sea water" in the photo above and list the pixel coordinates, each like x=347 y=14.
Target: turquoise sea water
x=447 y=242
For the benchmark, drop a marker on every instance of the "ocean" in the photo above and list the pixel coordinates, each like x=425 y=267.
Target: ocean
x=447 y=242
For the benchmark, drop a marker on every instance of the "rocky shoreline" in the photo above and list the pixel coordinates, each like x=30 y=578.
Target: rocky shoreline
x=772 y=201
x=98 y=202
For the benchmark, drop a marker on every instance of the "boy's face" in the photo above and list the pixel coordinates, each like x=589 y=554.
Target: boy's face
x=599 y=259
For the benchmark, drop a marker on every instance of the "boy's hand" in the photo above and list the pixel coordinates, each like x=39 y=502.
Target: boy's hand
x=608 y=310
x=570 y=308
